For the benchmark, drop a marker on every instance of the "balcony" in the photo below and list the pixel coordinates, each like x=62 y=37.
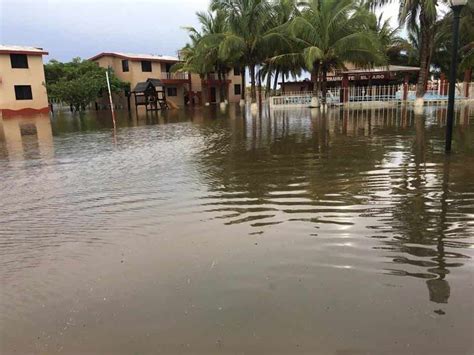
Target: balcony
x=166 y=76
x=213 y=79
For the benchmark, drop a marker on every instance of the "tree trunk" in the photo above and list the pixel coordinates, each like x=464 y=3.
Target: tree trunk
x=283 y=82
x=226 y=85
x=243 y=78
x=425 y=45
x=315 y=79
x=221 y=86
x=275 y=83
x=253 y=93
x=269 y=83
x=259 y=86
x=324 y=90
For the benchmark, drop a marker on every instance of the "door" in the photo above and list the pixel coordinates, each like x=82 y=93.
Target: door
x=213 y=99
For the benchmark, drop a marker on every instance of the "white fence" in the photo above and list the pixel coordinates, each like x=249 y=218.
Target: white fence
x=382 y=93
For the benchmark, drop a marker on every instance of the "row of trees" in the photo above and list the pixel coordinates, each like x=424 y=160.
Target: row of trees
x=273 y=38
x=79 y=82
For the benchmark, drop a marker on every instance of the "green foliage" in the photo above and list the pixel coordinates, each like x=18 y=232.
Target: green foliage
x=79 y=82
x=282 y=37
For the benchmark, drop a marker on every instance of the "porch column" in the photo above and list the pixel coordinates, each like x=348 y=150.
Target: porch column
x=345 y=88
x=405 y=87
x=467 y=82
x=443 y=85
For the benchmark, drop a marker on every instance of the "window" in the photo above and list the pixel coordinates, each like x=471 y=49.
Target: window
x=237 y=90
x=23 y=92
x=146 y=66
x=125 y=67
x=236 y=71
x=19 y=61
x=172 y=91
x=168 y=67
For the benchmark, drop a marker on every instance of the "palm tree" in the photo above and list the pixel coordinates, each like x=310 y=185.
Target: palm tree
x=250 y=34
x=466 y=40
x=467 y=37
x=201 y=56
x=422 y=13
x=328 y=34
x=283 y=12
x=394 y=46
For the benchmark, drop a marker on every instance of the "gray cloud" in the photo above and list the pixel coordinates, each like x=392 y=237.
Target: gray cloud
x=72 y=28
x=83 y=28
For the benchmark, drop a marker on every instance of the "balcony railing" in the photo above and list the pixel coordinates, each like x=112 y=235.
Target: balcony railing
x=215 y=77
x=174 y=76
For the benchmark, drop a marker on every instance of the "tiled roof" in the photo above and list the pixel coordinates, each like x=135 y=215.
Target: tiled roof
x=142 y=86
x=22 y=50
x=388 y=68
x=155 y=82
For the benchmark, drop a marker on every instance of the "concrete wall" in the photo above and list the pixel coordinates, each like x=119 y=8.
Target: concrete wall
x=33 y=76
x=176 y=100
x=234 y=80
x=196 y=83
x=116 y=64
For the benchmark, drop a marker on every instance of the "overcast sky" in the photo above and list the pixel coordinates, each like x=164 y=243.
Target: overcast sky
x=83 y=28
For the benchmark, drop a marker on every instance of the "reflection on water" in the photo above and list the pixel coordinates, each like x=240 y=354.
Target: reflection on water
x=206 y=231
x=26 y=138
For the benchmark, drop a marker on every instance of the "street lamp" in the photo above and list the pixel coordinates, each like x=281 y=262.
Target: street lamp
x=456 y=6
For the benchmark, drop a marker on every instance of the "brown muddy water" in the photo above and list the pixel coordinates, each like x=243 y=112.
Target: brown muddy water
x=198 y=232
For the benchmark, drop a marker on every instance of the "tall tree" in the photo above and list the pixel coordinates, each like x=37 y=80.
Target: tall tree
x=202 y=56
x=466 y=41
x=329 y=34
x=79 y=82
x=250 y=33
x=422 y=13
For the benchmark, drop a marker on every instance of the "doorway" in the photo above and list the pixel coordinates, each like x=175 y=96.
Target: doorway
x=212 y=98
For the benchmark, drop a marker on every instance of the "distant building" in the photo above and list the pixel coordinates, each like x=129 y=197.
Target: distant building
x=22 y=81
x=208 y=88
x=180 y=88
x=378 y=76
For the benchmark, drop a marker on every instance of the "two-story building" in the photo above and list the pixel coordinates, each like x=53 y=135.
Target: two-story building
x=180 y=88
x=138 y=68
x=22 y=81
x=209 y=86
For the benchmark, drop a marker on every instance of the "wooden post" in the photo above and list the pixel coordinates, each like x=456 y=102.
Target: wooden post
x=467 y=82
x=405 y=87
x=110 y=96
x=128 y=101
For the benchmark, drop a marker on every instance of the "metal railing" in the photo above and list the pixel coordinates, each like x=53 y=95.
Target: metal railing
x=174 y=76
x=380 y=93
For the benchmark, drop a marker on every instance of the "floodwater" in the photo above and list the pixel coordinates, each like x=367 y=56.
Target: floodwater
x=199 y=232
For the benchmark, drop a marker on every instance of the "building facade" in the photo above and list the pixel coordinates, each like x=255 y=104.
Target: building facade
x=207 y=89
x=22 y=81
x=138 y=68
x=181 y=89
